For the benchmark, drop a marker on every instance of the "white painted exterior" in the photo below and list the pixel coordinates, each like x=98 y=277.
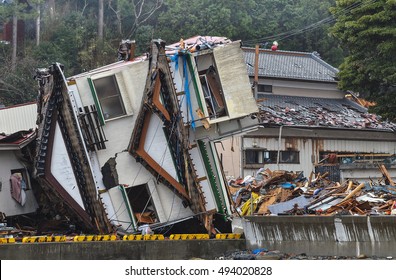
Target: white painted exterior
x=131 y=79
x=62 y=170
x=302 y=88
x=10 y=207
x=16 y=118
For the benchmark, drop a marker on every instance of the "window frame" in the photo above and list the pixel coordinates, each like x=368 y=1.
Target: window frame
x=264 y=88
x=115 y=94
x=264 y=156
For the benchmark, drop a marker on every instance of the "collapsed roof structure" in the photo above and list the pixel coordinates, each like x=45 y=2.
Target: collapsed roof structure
x=132 y=143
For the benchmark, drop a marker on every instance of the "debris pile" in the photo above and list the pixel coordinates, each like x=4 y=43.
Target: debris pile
x=282 y=192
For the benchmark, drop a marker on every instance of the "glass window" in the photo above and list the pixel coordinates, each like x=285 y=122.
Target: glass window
x=289 y=157
x=252 y=156
x=109 y=97
x=256 y=156
x=264 y=88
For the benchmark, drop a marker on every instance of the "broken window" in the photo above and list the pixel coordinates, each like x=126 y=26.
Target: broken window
x=264 y=88
x=109 y=97
x=142 y=204
x=211 y=86
x=22 y=173
x=257 y=156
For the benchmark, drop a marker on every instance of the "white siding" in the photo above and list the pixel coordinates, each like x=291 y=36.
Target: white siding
x=359 y=146
x=18 y=118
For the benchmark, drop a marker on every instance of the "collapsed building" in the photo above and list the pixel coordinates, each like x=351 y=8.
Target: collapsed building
x=132 y=143
x=140 y=142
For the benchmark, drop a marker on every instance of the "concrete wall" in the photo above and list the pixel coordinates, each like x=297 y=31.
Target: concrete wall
x=323 y=235
x=121 y=250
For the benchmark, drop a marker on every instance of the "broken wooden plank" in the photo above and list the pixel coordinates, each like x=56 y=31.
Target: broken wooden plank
x=385 y=172
x=358 y=188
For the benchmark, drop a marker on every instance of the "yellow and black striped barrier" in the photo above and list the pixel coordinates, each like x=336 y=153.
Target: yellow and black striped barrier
x=7 y=240
x=33 y=239
x=189 y=236
x=133 y=237
x=112 y=237
x=102 y=237
x=143 y=237
x=228 y=236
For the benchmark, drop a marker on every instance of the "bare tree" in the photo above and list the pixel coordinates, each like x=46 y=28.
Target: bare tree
x=100 y=20
x=14 y=41
x=51 y=5
x=117 y=12
x=38 y=24
x=142 y=12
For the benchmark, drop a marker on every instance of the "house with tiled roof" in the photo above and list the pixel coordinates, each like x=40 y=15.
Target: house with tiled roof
x=305 y=118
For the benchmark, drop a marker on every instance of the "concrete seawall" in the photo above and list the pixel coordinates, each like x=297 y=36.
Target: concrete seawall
x=348 y=236
x=323 y=235
x=121 y=250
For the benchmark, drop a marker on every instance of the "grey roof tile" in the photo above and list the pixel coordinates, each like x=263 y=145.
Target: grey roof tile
x=290 y=65
x=318 y=112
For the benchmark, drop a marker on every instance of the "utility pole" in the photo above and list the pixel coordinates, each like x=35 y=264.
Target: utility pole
x=256 y=63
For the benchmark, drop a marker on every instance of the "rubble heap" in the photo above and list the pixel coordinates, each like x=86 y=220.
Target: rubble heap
x=318 y=112
x=282 y=192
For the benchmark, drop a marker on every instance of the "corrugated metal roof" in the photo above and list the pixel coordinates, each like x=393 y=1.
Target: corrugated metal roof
x=17 y=118
x=290 y=65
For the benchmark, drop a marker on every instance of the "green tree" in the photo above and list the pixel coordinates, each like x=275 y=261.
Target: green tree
x=13 y=11
x=254 y=21
x=16 y=86
x=367 y=29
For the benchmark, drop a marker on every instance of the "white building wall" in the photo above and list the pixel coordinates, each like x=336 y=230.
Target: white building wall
x=359 y=146
x=131 y=79
x=301 y=88
x=16 y=118
x=8 y=205
x=229 y=151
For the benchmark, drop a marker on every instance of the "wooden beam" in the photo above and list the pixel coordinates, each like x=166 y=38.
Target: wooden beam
x=385 y=172
x=358 y=188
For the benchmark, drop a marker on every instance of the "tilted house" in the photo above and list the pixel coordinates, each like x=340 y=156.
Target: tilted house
x=307 y=124
x=132 y=143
